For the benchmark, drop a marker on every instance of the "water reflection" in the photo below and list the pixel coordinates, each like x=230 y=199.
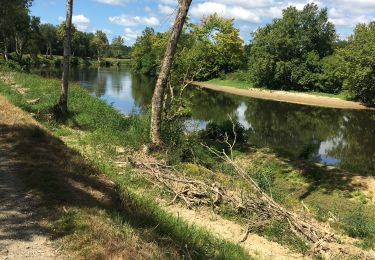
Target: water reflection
x=332 y=136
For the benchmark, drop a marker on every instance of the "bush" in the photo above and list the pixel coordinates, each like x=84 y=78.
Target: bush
x=331 y=76
x=359 y=64
x=13 y=65
x=239 y=75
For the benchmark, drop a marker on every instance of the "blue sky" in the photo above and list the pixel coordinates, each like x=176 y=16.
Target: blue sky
x=129 y=17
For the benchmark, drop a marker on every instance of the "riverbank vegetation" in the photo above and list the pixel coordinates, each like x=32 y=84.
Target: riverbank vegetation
x=110 y=143
x=311 y=209
x=300 y=51
x=21 y=33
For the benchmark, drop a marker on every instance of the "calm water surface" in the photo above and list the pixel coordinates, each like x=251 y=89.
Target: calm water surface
x=345 y=138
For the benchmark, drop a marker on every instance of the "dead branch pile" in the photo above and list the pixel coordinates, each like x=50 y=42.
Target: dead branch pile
x=256 y=203
x=189 y=191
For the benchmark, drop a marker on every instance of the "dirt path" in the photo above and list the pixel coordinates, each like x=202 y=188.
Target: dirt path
x=23 y=235
x=284 y=96
x=257 y=246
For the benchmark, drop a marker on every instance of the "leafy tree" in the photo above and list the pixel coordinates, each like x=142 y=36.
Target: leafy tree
x=286 y=53
x=49 y=36
x=14 y=19
x=117 y=46
x=143 y=56
x=359 y=63
x=99 y=43
x=218 y=46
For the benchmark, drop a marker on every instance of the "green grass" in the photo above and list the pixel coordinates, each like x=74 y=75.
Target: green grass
x=95 y=129
x=246 y=85
x=231 y=83
x=133 y=224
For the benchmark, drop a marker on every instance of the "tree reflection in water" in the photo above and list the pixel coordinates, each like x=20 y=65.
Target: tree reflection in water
x=332 y=136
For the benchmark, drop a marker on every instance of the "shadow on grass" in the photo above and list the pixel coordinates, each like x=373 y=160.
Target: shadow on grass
x=326 y=179
x=63 y=179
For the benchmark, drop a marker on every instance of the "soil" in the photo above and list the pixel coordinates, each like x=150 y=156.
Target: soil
x=23 y=232
x=284 y=96
x=257 y=246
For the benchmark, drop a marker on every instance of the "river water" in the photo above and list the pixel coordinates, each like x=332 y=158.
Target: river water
x=344 y=138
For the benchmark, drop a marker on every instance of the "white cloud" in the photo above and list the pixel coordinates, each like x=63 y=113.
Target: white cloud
x=129 y=21
x=343 y=13
x=166 y=9
x=169 y=2
x=112 y=2
x=130 y=35
x=80 y=21
x=232 y=11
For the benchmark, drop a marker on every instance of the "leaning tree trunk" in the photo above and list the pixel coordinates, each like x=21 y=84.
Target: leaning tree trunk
x=62 y=106
x=158 y=97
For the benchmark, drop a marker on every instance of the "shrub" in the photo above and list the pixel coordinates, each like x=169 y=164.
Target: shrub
x=360 y=64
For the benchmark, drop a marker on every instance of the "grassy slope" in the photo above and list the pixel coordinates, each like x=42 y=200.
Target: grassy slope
x=247 y=85
x=135 y=225
x=328 y=194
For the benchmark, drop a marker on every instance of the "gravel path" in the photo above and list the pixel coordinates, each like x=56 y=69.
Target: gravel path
x=22 y=234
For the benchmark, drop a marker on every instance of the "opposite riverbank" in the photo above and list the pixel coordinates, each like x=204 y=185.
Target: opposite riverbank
x=284 y=96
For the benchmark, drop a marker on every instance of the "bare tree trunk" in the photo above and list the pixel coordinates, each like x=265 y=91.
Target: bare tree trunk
x=6 y=50
x=62 y=106
x=19 y=48
x=158 y=97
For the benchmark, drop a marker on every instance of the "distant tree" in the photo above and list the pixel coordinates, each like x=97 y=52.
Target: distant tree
x=61 y=109
x=22 y=31
x=14 y=20
x=35 y=38
x=218 y=46
x=286 y=53
x=49 y=36
x=143 y=55
x=118 y=46
x=359 y=63
x=100 y=43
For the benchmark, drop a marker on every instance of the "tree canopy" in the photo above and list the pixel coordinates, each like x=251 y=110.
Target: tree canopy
x=286 y=53
x=359 y=63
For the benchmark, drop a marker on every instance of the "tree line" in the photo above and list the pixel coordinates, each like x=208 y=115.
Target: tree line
x=300 y=51
x=21 y=33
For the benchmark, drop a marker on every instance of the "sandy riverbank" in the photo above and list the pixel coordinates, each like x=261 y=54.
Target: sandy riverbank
x=284 y=96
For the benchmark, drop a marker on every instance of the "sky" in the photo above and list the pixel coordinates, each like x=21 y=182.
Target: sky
x=128 y=18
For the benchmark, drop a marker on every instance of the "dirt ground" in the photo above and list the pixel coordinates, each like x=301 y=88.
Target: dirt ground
x=284 y=96
x=23 y=233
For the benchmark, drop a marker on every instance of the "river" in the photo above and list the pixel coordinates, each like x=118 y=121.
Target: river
x=343 y=138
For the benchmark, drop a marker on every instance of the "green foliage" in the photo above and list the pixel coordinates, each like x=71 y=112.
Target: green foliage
x=100 y=43
x=286 y=54
x=206 y=50
x=143 y=56
x=217 y=46
x=359 y=223
x=279 y=231
x=130 y=214
x=359 y=70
